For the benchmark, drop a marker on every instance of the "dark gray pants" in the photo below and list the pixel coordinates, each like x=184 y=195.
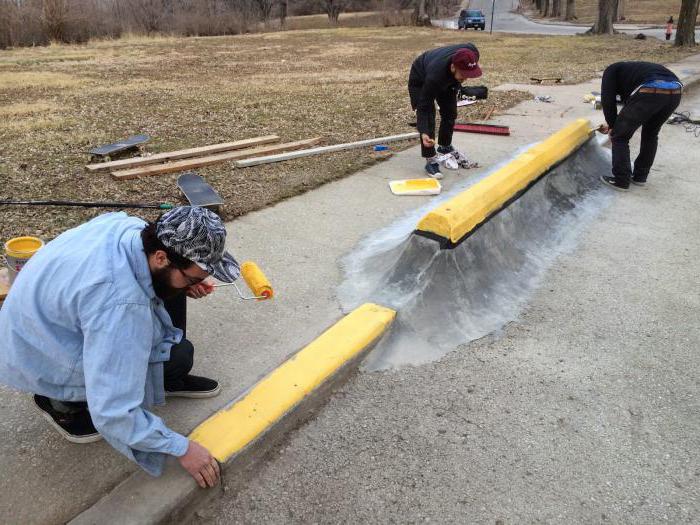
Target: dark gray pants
x=650 y=111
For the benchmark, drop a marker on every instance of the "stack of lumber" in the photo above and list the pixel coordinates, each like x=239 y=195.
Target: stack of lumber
x=245 y=153
x=182 y=160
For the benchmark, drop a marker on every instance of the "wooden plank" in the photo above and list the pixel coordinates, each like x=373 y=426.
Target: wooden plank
x=199 y=162
x=181 y=154
x=254 y=161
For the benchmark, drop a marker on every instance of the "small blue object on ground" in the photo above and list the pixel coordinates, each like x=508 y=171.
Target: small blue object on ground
x=381 y=147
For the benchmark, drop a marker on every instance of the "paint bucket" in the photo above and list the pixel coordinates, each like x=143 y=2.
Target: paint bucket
x=18 y=251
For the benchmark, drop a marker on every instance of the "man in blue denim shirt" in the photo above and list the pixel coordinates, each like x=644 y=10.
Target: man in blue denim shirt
x=85 y=328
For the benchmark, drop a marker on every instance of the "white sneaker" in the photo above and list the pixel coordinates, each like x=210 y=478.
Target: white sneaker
x=448 y=161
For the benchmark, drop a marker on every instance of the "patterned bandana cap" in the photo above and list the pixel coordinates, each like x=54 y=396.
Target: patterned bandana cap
x=199 y=235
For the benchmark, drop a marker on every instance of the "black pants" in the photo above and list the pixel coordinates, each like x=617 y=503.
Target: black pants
x=650 y=111
x=174 y=370
x=448 y=115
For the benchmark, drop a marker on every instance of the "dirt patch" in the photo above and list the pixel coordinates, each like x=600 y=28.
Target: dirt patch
x=342 y=84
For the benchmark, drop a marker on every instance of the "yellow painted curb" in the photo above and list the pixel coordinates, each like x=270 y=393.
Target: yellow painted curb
x=460 y=215
x=232 y=429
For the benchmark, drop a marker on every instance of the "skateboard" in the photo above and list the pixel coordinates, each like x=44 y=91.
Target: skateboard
x=198 y=192
x=108 y=150
x=536 y=80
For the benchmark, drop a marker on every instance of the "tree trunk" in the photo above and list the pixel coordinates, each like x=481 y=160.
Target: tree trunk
x=570 y=10
x=556 y=8
x=283 y=12
x=621 y=8
x=420 y=13
x=685 y=31
x=546 y=5
x=606 y=15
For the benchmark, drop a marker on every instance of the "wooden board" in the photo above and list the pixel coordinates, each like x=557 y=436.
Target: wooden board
x=181 y=154
x=4 y=284
x=254 y=161
x=188 y=164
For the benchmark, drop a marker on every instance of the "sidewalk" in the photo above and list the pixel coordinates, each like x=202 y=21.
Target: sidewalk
x=298 y=244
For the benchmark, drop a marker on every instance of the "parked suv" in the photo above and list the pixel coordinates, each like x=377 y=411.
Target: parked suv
x=471 y=18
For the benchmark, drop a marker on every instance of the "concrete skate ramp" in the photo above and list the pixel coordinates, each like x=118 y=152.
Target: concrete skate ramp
x=473 y=261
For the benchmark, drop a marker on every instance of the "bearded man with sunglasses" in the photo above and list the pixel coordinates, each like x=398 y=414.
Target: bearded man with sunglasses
x=94 y=326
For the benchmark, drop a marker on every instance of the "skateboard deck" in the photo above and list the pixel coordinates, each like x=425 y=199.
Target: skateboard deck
x=198 y=192
x=537 y=80
x=117 y=147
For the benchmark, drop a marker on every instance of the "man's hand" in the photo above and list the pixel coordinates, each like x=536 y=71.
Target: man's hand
x=604 y=129
x=197 y=291
x=201 y=465
x=427 y=141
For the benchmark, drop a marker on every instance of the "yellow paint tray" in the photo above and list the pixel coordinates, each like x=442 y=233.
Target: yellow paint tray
x=415 y=187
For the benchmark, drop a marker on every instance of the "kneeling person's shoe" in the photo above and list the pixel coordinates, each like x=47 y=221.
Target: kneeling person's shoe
x=193 y=387
x=76 y=427
x=612 y=182
x=433 y=169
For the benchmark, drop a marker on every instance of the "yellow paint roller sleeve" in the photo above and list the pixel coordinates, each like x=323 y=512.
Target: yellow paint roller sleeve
x=232 y=429
x=460 y=215
x=256 y=280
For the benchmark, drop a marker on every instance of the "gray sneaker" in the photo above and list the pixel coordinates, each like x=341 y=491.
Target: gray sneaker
x=463 y=161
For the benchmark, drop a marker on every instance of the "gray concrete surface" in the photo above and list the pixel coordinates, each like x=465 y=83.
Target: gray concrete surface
x=297 y=243
x=582 y=409
x=507 y=21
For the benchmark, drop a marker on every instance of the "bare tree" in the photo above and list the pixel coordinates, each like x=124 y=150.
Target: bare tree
x=685 y=31
x=55 y=17
x=333 y=9
x=570 y=10
x=606 y=15
x=556 y=8
x=420 y=13
x=621 y=8
x=283 y=12
x=546 y=7
x=265 y=9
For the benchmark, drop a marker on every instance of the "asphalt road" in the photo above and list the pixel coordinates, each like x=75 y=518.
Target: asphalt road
x=582 y=409
x=506 y=21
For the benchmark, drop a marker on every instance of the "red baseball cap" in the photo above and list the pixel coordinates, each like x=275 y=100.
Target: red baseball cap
x=467 y=62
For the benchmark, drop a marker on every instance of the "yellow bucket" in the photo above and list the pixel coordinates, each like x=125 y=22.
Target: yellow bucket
x=18 y=251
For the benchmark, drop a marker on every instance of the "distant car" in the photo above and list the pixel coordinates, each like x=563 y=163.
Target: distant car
x=471 y=18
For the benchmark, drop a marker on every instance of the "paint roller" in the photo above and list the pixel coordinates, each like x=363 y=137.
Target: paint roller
x=256 y=281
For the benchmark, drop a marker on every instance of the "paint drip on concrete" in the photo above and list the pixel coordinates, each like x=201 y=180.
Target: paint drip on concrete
x=448 y=297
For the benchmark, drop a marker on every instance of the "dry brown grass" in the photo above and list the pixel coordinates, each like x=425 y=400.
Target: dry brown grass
x=343 y=84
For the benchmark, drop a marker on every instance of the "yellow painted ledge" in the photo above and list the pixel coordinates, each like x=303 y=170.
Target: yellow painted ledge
x=460 y=215
x=232 y=429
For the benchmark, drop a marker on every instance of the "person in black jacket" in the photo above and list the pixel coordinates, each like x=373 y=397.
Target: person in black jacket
x=436 y=76
x=650 y=93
